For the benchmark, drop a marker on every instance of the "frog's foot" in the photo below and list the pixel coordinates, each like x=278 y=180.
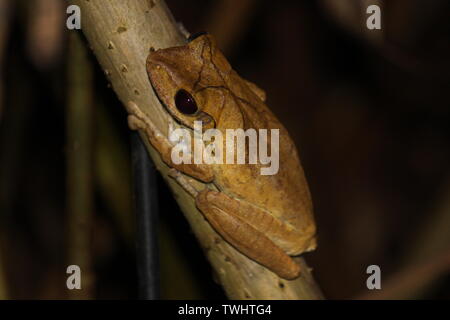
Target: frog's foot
x=138 y=120
x=248 y=228
x=183 y=182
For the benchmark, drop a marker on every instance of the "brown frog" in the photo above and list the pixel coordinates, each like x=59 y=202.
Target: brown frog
x=266 y=217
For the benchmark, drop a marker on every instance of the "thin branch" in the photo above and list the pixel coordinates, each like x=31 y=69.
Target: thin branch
x=79 y=164
x=146 y=206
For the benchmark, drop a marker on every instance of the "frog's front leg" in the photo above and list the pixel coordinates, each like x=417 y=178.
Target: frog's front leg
x=138 y=120
x=249 y=229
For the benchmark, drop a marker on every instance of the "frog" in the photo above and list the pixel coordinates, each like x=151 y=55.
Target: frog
x=268 y=218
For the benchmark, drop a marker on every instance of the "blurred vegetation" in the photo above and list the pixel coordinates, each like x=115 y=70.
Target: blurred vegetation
x=370 y=117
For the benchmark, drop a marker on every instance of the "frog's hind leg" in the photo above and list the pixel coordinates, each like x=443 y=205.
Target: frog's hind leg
x=227 y=217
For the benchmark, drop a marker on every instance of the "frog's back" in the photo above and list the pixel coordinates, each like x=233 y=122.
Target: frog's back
x=284 y=194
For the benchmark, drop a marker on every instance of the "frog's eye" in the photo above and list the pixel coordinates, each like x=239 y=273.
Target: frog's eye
x=185 y=102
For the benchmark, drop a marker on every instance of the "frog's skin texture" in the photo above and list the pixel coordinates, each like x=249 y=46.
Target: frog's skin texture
x=266 y=217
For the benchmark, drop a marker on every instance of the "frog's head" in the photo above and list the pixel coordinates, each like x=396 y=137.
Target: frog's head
x=189 y=80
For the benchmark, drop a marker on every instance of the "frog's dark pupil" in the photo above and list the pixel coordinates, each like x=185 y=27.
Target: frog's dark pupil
x=185 y=103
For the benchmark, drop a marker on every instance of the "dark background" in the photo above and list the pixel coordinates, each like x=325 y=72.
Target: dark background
x=368 y=110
